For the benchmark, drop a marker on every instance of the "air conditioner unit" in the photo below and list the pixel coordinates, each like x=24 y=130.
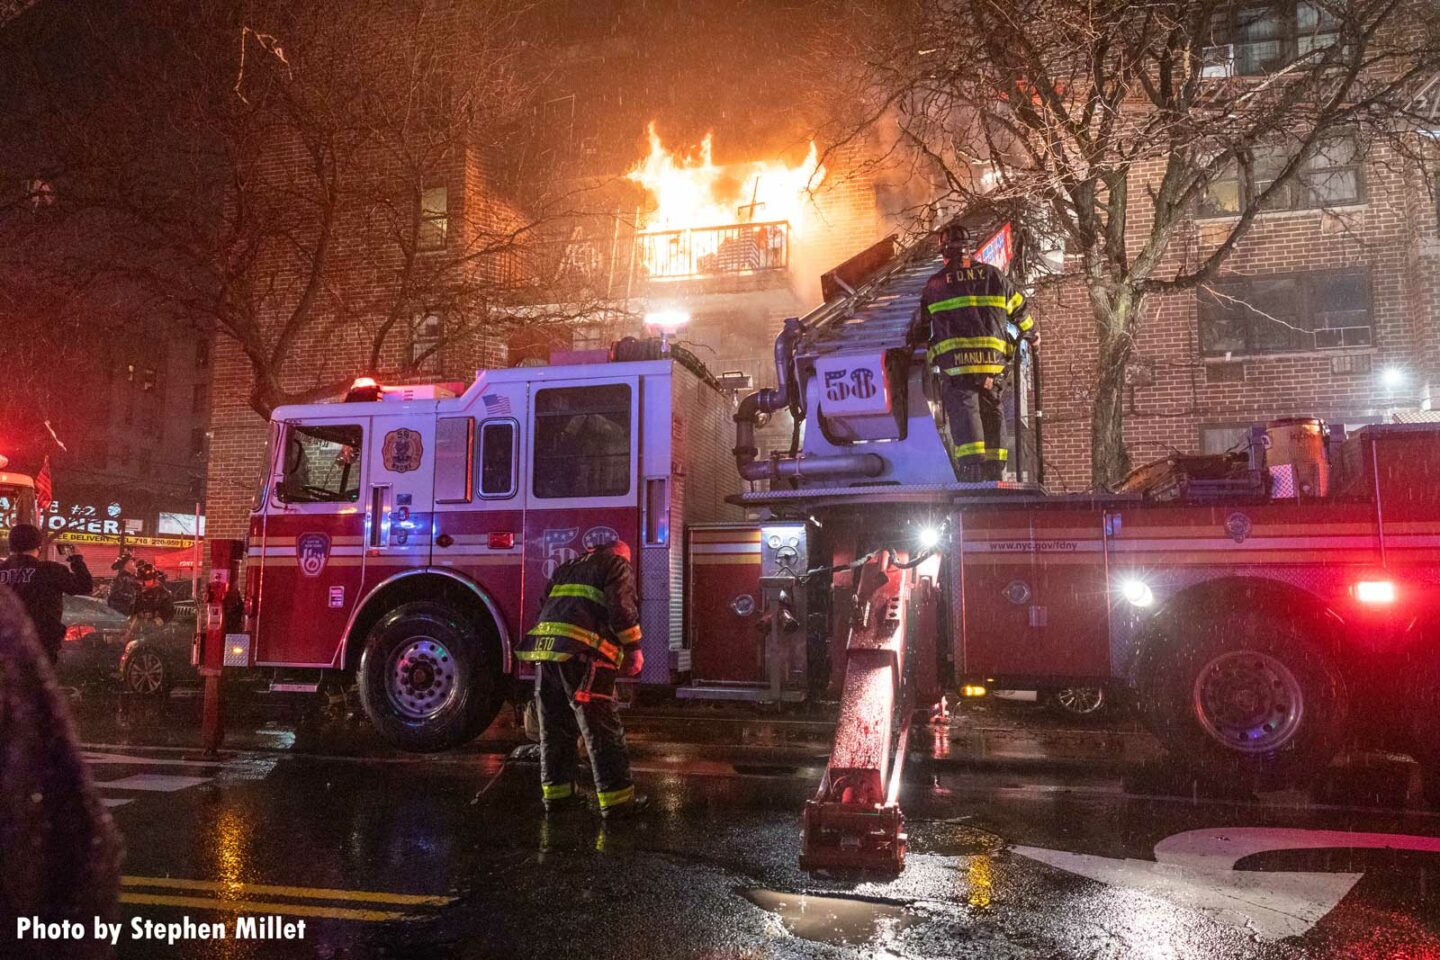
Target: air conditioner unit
x=1218 y=62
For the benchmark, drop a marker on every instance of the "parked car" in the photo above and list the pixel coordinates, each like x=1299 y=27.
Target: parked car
x=98 y=651
x=1067 y=703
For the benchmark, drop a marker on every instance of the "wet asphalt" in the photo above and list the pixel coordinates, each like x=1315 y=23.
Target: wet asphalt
x=1082 y=846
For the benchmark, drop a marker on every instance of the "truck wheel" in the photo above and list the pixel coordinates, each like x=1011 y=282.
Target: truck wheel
x=429 y=679
x=1250 y=699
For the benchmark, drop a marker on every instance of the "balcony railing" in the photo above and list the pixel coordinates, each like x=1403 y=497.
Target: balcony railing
x=741 y=248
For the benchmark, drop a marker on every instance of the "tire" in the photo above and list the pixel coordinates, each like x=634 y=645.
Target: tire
x=146 y=673
x=1251 y=698
x=1079 y=703
x=429 y=678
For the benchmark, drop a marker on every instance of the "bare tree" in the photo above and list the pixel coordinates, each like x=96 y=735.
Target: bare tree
x=1106 y=124
x=231 y=159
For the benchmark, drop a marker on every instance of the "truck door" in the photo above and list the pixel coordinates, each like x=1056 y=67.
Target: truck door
x=1035 y=604
x=584 y=441
x=400 y=492
x=312 y=554
x=480 y=498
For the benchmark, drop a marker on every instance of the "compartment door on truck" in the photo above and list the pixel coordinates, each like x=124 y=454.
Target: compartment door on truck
x=583 y=445
x=1036 y=605
x=399 y=497
x=312 y=558
x=480 y=497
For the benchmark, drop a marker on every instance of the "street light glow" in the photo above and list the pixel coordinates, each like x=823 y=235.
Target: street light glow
x=929 y=538
x=1392 y=378
x=667 y=320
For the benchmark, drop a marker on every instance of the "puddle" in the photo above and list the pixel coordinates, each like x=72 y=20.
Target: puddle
x=835 y=920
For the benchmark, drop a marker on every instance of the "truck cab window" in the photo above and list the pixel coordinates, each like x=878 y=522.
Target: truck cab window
x=497 y=459
x=322 y=464
x=582 y=441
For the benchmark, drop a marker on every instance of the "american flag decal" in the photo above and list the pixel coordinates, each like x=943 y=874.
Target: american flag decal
x=496 y=405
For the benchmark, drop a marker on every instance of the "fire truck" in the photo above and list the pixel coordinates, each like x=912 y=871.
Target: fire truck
x=1265 y=609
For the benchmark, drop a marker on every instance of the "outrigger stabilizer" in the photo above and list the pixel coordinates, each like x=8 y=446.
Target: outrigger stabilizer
x=855 y=822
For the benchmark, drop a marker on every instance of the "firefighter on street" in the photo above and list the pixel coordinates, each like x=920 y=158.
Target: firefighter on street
x=588 y=634
x=969 y=309
x=42 y=584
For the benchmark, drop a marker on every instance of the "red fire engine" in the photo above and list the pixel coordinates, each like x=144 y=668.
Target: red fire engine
x=1266 y=608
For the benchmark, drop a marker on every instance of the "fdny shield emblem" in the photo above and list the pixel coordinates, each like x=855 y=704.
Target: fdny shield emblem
x=402 y=451
x=313 y=550
x=1238 y=526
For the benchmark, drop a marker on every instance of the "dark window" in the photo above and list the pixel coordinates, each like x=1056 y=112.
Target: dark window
x=1282 y=314
x=497 y=459
x=322 y=464
x=1254 y=38
x=197 y=441
x=1332 y=176
x=427 y=333
x=197 y=398
x=582 y=441
x=434 y=218
x=202 y=354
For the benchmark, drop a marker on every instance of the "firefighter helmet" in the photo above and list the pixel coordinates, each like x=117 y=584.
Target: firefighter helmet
x=955 y=242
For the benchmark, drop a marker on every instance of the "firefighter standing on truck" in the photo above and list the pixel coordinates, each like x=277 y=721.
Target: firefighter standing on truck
x=587 y=634
x=970 y=308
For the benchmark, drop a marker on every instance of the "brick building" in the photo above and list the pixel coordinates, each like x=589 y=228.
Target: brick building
x=1327 y=308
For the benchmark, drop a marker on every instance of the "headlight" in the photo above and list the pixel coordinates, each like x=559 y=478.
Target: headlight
x=1138 y=592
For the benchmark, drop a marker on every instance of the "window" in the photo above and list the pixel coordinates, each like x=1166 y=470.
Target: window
x=1284 y=314
x=582 y=442
x=454 y=448
x=497 y=459
x=427 y=333
x=1329 y=177
x=197 y=441
x=1266 y=36
x=1224 y=438
x=322 y=464
x=197 y=398
x=434 y=218
x=202 y=354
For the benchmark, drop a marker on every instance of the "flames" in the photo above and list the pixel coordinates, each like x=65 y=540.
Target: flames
x=691 y=192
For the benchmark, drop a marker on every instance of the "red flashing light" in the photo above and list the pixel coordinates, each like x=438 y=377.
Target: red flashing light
x=500 y=541
x=78 y=632
x=1375 y=591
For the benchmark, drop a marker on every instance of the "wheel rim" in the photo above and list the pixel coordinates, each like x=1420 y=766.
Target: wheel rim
x=146 y=673
x=1081 y=700
x=1249 y=701
x=420 y=678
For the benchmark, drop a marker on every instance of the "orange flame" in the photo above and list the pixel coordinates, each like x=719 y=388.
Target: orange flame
x=692 y=192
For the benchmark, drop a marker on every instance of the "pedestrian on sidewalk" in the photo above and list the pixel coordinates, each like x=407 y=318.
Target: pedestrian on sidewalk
x=588 y=633
x=60 y=851
x=41 y=585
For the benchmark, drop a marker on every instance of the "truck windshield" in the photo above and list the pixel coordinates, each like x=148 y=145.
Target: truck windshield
x=322 y=464
x=17 y=505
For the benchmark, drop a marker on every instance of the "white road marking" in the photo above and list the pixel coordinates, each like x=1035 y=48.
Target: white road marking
x=115 y=801
x=1196 y=869
x=159 y=782
x=96 y=759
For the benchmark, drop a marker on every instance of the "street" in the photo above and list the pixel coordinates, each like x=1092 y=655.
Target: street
x=388 y=855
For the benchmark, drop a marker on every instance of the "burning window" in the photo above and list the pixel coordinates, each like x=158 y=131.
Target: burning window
x=710 y=220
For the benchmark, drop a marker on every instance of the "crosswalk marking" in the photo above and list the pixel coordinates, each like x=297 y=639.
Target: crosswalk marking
x=159 y=782
x=95 y=758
